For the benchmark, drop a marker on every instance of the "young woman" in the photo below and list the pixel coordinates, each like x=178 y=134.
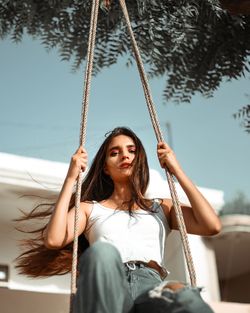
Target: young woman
x=126 y=232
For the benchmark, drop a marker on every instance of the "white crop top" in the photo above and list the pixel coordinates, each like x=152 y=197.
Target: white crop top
x=140 y=237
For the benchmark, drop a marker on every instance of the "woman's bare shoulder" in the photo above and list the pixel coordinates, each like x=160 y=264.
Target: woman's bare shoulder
x=166 y=207
x=167 y=203
x=86 y=207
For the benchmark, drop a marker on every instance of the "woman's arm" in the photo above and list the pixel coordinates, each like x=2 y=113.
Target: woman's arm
x=60 y=229
x=200 y=218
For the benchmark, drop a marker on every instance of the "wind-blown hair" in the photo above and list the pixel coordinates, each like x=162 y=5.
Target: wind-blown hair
x=39 y=261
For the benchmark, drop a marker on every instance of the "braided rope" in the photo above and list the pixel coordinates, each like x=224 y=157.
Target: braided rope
x=159 y=136
x=83 y=127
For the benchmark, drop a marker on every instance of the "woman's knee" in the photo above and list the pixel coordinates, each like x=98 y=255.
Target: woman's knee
x=171 y=296
x=174 y=286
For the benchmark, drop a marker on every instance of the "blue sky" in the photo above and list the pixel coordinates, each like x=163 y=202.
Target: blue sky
x=40 y=103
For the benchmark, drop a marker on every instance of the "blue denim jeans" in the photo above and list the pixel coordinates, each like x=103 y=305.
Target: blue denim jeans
x=106 y=285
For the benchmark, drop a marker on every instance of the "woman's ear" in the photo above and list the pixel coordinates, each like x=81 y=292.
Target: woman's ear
x=105 y=170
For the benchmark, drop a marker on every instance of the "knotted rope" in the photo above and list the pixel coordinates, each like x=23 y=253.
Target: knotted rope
x=158 y=133
x=83 y=127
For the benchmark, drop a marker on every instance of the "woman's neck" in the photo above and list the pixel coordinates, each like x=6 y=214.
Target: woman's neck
x=120 y=196
x=121 y=192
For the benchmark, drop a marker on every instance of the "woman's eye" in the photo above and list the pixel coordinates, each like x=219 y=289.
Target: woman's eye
x=113 y=153
x=132 y=151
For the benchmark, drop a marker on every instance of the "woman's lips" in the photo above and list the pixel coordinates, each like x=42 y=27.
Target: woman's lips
x=125 y=165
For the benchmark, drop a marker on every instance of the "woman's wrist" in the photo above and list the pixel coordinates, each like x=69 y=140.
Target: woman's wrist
x=70 y=180
x=183 y=179
x=178 y=173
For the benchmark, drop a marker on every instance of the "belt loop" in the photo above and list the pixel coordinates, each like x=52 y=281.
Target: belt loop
x=131 y=265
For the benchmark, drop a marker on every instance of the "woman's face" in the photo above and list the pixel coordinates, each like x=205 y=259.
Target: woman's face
x=119 y=158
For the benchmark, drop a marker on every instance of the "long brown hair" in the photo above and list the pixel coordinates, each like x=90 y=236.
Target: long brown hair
x=39 y=261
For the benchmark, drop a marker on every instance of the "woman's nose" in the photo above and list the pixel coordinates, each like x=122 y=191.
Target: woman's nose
x=124 y=156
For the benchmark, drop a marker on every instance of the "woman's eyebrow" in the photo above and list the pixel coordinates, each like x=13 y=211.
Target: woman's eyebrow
x=118 y=147
x=114 y=148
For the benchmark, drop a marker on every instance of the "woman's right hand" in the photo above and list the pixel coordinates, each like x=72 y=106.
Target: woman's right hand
x=78 y=163
x=59 y=230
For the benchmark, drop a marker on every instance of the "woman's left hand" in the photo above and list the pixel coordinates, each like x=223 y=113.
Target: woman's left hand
x=167 y=158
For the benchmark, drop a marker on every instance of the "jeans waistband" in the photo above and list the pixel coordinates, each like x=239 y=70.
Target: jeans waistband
x=133 y=265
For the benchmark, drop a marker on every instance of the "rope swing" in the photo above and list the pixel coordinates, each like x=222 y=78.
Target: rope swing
x=157 y=130
x=83 y=127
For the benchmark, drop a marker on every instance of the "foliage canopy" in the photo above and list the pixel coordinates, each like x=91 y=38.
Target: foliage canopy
x=194 y=44
x=244 y=115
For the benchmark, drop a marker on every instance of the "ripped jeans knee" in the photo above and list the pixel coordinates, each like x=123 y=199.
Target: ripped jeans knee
x=172 y=297
x=161 y=291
